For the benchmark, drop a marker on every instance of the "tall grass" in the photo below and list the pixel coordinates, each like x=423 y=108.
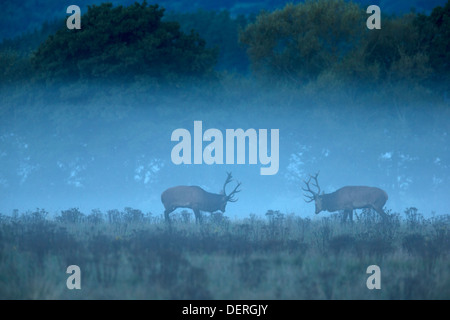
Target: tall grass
x=126 y=254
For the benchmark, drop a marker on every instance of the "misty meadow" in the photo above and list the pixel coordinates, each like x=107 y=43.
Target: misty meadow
x=89 y=122
x=126 y=254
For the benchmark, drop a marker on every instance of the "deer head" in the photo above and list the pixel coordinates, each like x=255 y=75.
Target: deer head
x=314 y=195
x=229 y=197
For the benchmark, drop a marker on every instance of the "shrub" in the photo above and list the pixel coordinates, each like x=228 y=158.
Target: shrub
x=328 y=40
x=397 y=51
x=123 y=43
x=219 y=29
x=71 y=216
x=435 y=35
x=301 y=41
x=13 y=67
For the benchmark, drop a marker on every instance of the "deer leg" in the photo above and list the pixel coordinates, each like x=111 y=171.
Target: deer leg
x=166 y=214
x=381 y=213
x=344 y=217
x=198 y=216
x=348 y=214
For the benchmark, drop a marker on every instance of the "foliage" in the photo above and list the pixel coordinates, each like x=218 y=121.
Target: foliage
x=327 y=40
x=122 y=43
x=13 y=67
x=324 y=41
x=397 y=52
x=435 y=32
x=301 y=41
x=24 y=16
x=280 y=257
x=15 y=53
x=219 y=30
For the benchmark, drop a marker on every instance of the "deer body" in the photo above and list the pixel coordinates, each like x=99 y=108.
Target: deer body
x=197 y=199
x=348 y=199
x=192 y=197
x=351 y=198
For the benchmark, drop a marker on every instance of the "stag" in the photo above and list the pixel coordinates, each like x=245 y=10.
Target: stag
x=197 y=199
x=346 y=198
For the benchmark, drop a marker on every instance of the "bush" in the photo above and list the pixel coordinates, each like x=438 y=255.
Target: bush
x=319 y=258
x=123 y=43
x=71 y=216
x=219 y=29
x=13 y=67
x=328 y=40
x=397 y=51
x=435 y=35
x=301 y=41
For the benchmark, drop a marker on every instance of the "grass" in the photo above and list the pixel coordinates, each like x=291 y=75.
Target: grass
x=126 y=254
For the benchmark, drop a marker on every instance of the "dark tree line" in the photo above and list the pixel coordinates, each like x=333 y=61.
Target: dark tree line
x=309 y=41
x=26 y=15
x=328 y=38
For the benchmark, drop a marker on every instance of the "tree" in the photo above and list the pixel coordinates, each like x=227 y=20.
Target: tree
x=219 y=29
x=328 y=40
x=435 y=32
x=123 y=43
x=303 y=40
x=397 y=51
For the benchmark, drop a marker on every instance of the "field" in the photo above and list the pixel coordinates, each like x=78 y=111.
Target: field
x=126 y=254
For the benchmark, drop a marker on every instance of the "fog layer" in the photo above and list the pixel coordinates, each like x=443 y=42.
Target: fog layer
x=103 y=148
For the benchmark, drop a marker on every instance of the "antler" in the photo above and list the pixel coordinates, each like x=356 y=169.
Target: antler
x=229 y=179
x=314 y=194
x=230 y=197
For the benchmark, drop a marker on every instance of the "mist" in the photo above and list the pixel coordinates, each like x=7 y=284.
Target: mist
x=106 y=148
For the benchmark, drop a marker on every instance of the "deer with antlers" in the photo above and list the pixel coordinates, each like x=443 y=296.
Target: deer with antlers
x=346 y=198
x=197 y=199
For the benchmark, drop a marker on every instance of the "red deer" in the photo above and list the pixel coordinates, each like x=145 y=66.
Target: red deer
x=197 y=199
x=347 y=199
